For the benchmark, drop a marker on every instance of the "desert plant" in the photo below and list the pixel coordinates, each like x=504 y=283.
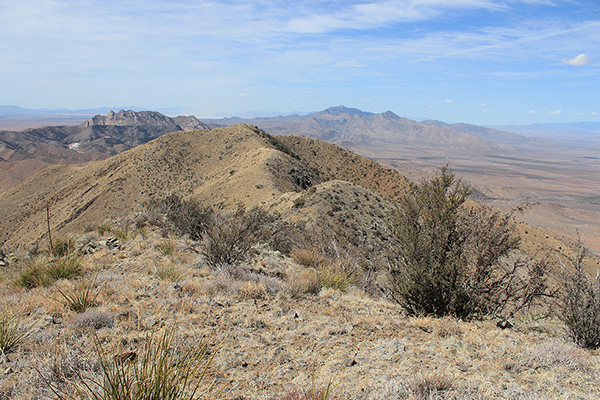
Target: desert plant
x=13 y=329
x=305 y=282
x=169 y=272
x=34 y=274
x=79 y=298
x=449 y=259
x=101 y=229
x=62 y=247
x=187 y=216
x=64 y=267
x=166 y=247
x=337 y=276
x=580 y=301
x=161 y=371
x=230 y=236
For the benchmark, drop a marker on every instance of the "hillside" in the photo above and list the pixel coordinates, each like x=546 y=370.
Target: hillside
x=506 y=168
x=22 y=154
x=219 y=167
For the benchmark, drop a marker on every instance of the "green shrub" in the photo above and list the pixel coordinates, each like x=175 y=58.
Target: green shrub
x=337 y=276
x=580 y=302
x=43 y=270
x=450 y=259
x=34 y=274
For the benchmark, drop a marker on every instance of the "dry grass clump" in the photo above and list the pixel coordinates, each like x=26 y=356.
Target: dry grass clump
x=552 y=353
x=305 y=282
x=308 y=257
x=166 y=247
x=169 y=271
x=432 y=386
x=252 y=290
x=441 y=327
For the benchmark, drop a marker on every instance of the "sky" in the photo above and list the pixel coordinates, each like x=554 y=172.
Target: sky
x=476 y=61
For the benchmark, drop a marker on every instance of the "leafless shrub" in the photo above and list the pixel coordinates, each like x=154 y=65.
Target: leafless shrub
x=580 y=301
x=186 y=216
x=230 y=236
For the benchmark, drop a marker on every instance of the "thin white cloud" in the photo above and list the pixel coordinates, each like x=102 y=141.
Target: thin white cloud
x=578 y=113
x=375 y=14
x=244 y=95
x=594 y=114
x=555 y=112
x=580 y=61
x=532 y=112
x=449 y=101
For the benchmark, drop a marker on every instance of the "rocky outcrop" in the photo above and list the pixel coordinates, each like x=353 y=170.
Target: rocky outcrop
x=145 y=118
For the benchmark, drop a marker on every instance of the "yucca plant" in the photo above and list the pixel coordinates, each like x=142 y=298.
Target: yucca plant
x=13 y=329
x=161 y=372
x=81 y=297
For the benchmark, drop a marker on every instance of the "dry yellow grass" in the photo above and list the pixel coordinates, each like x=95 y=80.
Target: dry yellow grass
x=273 y=332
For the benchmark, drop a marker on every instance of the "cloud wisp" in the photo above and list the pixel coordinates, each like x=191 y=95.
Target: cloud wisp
x=580 y=61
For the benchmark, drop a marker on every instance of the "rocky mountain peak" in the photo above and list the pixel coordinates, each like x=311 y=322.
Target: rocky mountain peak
x=145 y=118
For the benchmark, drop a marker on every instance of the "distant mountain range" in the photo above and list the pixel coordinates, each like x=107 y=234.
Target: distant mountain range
x=24 y=153
x=353 y=127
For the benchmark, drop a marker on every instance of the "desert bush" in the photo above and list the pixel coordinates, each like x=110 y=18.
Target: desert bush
x=166 y=247
x=80 y=297
x=42 y=271
x=13 y=330
x=308 y=257
x=161 y=370
x=580 y=301
x=101 y=229
x=231 y=235
x=449 y=259
x=432 y=386
x=252 y=290
x=338 y=276
x=187 y=216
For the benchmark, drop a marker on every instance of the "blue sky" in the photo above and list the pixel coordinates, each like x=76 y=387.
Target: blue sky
x=476 y=61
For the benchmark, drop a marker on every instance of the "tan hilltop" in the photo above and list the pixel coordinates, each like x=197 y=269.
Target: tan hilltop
x=219 y=167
